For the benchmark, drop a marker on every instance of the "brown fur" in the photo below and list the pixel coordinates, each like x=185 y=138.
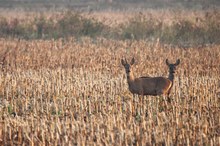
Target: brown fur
x=149 y=86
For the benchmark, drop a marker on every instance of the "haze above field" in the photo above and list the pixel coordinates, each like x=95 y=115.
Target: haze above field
x=90 y=5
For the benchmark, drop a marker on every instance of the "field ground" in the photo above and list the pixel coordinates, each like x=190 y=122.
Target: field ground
x=74 y=92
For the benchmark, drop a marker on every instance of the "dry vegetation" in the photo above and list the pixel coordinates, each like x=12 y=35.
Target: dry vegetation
x=178 y=27
x=74 y=92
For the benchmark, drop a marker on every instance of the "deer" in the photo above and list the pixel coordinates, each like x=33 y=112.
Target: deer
x=149 y=85
x=172 y=71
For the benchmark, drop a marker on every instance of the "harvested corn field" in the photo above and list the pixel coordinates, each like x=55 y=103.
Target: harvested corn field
x=75 y=92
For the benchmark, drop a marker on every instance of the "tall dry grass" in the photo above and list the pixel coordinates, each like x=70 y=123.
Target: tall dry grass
x=74 y=92
x=169 y=26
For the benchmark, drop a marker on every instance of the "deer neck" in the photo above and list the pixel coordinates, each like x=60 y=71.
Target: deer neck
x=130 y=77
x=171 y=76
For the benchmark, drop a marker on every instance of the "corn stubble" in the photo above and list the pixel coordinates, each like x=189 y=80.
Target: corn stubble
x=70 y=92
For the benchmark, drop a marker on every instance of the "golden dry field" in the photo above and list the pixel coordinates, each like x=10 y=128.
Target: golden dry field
x=74 y=92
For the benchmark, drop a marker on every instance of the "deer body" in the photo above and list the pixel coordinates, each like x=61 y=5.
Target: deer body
x=146 y=85
x=149 y=85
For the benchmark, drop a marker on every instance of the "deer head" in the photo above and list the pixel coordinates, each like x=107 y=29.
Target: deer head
x=172 y=67
x=127 y=66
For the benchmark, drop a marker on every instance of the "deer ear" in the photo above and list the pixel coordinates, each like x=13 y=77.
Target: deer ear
x=132 y=61
x=167 y=62
x=177 y=62
x=123 y=62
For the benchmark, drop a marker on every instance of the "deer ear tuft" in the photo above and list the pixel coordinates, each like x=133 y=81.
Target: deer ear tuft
x=123 y=62
x=132 y=61
x=177 y=62
x=167 y=62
